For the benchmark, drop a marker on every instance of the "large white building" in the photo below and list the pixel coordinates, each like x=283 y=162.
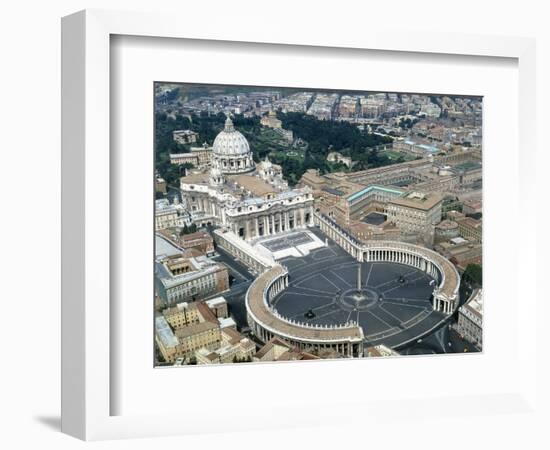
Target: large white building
x=248 y=199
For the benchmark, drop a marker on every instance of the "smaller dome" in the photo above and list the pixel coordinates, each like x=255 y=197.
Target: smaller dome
x=216 y=176
x=215 y=172
x=266 y=163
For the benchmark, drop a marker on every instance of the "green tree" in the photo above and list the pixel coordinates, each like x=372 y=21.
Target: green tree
x=188 y=229
x=474 y=275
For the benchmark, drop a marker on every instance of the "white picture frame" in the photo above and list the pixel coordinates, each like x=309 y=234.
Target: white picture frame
x=86 y=219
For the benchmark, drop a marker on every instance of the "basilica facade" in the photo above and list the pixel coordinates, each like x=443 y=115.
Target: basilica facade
x=251 y=200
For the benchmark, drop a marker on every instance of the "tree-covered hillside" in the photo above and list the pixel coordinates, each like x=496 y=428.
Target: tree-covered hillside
x=316 y=139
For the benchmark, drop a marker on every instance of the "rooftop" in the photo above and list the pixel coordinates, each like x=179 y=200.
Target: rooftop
x=164 y=248
x=418 y=200
x=201 y=267
x=254 y=185
x=226 y=322
x=216 y=301
x=190 y=330
x=164 y=332
x=196 y=178
x=368 y=189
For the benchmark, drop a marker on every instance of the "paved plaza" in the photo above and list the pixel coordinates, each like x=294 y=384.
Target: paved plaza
x=392 y=305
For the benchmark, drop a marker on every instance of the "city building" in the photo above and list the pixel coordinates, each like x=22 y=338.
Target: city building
x=182 y=330
x=298 y=102
x=160 y=185
x=415 y=212
x=184 y=158
x=167 y=215
x=191 y=338
x=430 y=110
x=337 y=157
x=218 y=306
x=461 y=251
x=200 y=240
x=234 y=347
x=278 y=350
x=348 y=106
x=185 y=136
x=445 y=230
x=179 y=278
x=199 y=157
x=270 y=120
x=470 y=228
x=470 y=319
x=203 y=154
x=202 y=330
x=323 y=106
x=472 y=206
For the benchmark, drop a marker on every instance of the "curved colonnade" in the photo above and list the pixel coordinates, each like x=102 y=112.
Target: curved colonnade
x=266 y=323
x=346 y=339
x=445 y=294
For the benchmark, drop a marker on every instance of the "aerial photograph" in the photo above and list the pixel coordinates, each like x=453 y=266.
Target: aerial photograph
x=296 y=224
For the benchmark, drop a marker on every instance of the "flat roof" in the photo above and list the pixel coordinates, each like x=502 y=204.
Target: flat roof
x=165 y=248
x=216 y=301
x=418 y=201
x=195 y=178
x=254 y=184
x=226 y=322
x=458 y=240
x=164 y=332
x=190 y=330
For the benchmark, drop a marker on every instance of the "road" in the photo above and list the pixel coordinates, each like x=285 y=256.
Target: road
x=241 y=280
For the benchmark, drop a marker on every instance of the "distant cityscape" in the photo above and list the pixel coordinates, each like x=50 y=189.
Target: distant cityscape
x=303 y=224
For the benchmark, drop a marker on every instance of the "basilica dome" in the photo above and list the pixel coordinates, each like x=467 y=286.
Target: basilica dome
x=231 y=151
x=230 y=142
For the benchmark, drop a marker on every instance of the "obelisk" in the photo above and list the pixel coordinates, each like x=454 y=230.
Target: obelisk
x=359 y=277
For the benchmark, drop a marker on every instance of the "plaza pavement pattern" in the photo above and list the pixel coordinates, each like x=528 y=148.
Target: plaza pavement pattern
x=393 y=308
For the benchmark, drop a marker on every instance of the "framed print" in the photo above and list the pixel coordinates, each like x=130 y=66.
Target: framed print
x=272 y=216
